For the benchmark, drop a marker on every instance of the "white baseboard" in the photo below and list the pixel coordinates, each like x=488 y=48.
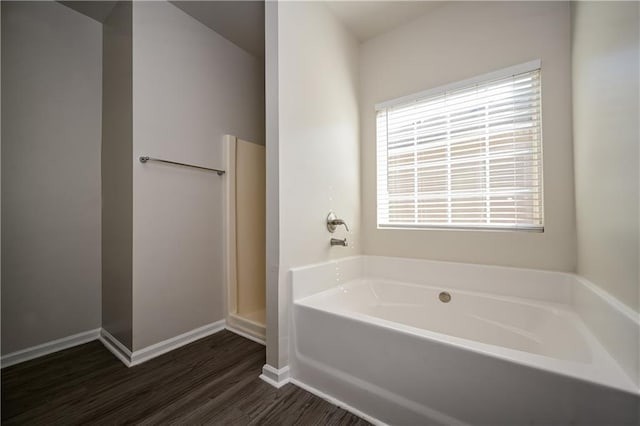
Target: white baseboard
x=114 y=346
x=118 y=349
x=246 y=328
x=275 y=377
x=131 y=359
x=244 y=334
x=337 y=402
x=49 y=347
x=183 y=339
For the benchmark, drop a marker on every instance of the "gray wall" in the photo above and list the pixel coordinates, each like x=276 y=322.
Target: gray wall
x=606 y=54
x=51 y=115
x=117 y=174
x=191 y=86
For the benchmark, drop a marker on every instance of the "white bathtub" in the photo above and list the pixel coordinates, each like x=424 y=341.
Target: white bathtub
x=510 y=347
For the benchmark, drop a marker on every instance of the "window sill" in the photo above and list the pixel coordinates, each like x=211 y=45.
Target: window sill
x=537 y=230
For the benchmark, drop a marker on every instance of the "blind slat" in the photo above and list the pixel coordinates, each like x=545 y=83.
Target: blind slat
x=470 y=157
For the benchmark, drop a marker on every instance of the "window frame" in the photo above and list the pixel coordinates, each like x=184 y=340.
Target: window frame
x=484 y=78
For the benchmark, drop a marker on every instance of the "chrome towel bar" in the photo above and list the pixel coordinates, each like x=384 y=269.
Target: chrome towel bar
x=145 y=158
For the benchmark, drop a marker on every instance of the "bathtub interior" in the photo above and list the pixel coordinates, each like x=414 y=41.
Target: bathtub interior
x=547 y=329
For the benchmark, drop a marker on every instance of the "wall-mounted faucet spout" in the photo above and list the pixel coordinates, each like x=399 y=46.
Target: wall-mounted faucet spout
x=339 y=242
x=333 y=222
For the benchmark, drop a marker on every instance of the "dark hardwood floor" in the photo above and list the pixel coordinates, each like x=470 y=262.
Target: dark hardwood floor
x=211 y=381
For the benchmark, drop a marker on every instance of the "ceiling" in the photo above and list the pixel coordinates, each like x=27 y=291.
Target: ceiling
x=368 y=19
x=241 y=22
x=98 y=10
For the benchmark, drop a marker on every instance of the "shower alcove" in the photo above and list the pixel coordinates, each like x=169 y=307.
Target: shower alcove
x=244 y=230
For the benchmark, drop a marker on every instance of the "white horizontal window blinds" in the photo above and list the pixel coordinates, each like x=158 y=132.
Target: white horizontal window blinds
x=469 y=157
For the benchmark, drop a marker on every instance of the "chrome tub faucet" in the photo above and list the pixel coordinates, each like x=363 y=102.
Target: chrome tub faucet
x=333 y=222
x=339 y=242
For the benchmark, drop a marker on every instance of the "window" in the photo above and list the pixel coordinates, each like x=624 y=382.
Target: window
x=468 y=155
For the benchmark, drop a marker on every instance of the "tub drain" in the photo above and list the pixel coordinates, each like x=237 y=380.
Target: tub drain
x=444 y=297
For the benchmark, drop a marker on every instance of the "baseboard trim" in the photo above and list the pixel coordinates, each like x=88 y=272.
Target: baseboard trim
x=49 y=348
x=131 y=359
x=246 y=328
x=119 y=350
x=114 y=346
x=244 y=334
x=155 y=350
x=337 y=402
x=275 y=377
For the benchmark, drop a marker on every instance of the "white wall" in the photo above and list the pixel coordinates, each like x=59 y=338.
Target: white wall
x=51 y=115
x=190 y=87
x=318 y=147
x=275 y=300
x=456 y=41
x=606 y=56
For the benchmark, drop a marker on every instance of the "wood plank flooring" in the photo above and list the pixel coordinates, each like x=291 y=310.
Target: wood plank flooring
x=211 y=381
